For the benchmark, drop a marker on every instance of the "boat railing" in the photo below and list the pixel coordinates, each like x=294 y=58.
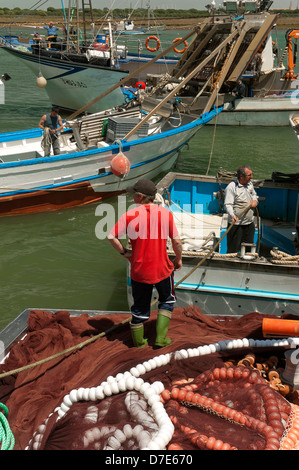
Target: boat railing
x=262 y=92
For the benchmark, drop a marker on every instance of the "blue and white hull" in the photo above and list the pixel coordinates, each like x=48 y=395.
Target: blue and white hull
x=72 y=84
x=32 y=183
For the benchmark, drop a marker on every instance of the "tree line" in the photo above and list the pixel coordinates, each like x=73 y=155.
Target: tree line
x=126 y=12
x=117 y=12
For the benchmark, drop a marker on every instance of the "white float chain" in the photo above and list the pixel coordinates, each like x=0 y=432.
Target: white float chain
x=130 y=380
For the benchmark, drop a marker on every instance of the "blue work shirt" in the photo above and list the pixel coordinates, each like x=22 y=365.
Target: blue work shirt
x=51 y=31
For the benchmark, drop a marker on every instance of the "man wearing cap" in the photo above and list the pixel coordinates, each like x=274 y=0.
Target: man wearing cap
x=148 y=227
x=52 y=34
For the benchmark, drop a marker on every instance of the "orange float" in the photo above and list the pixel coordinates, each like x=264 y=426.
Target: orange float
x=181 y=51
x=152 y=38
x=120 y=165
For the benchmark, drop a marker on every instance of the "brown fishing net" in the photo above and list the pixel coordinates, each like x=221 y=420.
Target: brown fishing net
x=208 y=390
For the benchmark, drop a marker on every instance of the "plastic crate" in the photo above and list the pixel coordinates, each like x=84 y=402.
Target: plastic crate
x=119 y=127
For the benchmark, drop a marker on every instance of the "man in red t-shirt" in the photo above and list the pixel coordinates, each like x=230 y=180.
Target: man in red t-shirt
x=148 y=227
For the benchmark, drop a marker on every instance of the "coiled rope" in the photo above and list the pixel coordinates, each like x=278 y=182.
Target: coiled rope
x=279 y=257
x=46 y=140
x=7 y=439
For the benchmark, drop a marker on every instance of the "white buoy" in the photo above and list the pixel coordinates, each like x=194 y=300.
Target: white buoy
x=41 y=81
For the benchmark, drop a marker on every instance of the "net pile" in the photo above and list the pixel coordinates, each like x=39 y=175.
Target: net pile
x=201 y=392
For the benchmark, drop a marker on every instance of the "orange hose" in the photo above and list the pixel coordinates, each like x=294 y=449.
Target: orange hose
x=280 y=328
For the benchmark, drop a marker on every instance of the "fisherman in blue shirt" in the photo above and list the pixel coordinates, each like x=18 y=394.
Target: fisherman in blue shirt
x=52 y=34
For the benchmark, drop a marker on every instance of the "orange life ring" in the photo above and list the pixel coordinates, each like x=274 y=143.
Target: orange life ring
x=152 y=49
x=182 y=50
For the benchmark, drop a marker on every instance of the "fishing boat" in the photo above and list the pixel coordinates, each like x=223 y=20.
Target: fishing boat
x=264 y=276
x=84 y=63
x=59 y=392
x=252 y=56
x=127 y=27
x=223 y=47
x=72 y=80
x=100 y=155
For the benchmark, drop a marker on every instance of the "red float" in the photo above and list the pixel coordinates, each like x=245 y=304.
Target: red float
x=140 y=85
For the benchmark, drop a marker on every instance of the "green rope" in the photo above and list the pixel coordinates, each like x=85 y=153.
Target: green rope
x=7 y=439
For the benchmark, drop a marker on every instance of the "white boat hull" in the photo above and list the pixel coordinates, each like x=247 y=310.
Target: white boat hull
x=71 y=86
x=268 y=111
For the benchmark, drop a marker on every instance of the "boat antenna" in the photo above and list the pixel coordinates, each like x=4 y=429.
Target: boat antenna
x=63 y=9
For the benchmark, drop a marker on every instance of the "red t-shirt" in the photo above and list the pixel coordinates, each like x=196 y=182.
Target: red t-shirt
x=148 y=228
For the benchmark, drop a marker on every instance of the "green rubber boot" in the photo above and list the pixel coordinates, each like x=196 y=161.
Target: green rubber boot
x=163 y=320
x=137 y=331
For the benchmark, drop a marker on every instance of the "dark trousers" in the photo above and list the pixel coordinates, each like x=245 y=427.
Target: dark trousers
x=52 y=140
x=142 y=295
x=239 y=234
x=236 y=97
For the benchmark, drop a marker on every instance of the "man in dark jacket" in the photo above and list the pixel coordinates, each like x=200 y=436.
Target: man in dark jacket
x=238 y=92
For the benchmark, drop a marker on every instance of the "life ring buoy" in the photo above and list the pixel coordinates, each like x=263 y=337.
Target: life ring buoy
x=152 y=49
x=182 y=50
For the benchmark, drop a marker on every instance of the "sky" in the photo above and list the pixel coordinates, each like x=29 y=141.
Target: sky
x=198 y=4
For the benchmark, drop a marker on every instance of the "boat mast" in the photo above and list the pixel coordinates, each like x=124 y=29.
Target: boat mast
x=68 y=27
x=148 y=14
x=112 y=48
x=78 y=27
x=84 y=17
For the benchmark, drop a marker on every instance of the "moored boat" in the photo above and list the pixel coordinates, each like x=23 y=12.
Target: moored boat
x=224 y=47
x=269 y=111
x=100 y=155
x=268 y=95
x=72 y=79
x=84 y=63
